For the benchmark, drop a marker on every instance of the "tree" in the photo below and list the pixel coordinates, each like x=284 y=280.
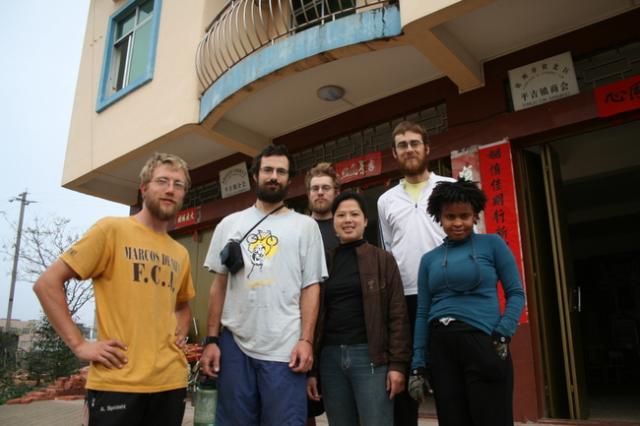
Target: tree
x=49 y=357
x=8 y=349
x=43 y=243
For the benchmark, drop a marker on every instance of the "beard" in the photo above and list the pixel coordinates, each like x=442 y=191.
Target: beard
x=320 y=208
x=155 y=208
x=414 y=169
x=269 y=195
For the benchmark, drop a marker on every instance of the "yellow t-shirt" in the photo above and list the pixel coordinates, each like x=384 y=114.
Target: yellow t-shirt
x=138 y=276
x=414 y=189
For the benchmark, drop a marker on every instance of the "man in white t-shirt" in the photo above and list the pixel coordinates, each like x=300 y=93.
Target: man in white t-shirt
x=406 y=230
x=268 y=308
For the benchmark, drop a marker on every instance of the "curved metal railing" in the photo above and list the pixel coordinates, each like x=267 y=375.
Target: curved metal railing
x=244 y=26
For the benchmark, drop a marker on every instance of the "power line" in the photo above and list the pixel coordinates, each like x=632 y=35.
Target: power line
x=14 y=272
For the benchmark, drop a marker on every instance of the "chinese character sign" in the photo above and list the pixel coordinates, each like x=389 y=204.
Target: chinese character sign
x=187 y=217
x=501 y=211
x=359 y=167
x=234 y=180
x=618 y=97
x=543 y=81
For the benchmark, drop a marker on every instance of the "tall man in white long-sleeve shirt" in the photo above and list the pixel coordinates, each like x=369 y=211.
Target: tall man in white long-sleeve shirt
x=406 y=230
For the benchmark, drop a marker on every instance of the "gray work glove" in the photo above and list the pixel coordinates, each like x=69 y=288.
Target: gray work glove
x=419 y=387
x=501 y=345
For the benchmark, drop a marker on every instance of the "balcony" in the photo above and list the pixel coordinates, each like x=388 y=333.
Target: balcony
x=245 y=26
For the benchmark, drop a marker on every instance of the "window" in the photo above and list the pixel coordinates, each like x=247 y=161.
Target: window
x=311 y=11
x=129 y=56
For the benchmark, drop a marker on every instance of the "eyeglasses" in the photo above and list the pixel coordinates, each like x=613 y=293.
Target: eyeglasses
x=403 y=145
x=269 y=171
x=324 y=188
x=165 y=182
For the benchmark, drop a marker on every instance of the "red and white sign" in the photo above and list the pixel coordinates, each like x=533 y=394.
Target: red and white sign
x=465 y=164
x=501 y=211
x=618 y=97
x=360 y=167
x=187 y=217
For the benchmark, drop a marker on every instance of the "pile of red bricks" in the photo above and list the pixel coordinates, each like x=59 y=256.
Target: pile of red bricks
x=65 y=388
x=193 y=352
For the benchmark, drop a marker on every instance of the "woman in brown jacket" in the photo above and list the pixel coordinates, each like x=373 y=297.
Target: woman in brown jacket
x=362 y=335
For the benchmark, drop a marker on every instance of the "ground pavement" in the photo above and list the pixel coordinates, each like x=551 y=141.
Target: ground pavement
x=69 y=413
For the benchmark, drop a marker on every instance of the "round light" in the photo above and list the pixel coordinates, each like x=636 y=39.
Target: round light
x=330 y=93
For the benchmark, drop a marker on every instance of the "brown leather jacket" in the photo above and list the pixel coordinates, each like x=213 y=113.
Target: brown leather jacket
x=385 y=310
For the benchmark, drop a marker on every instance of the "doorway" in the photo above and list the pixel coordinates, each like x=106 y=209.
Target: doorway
x=587 y=261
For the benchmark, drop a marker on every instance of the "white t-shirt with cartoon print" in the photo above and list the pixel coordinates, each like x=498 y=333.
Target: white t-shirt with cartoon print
x=282 y=255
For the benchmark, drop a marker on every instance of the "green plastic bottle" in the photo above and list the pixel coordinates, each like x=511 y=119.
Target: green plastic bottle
x=206 y=398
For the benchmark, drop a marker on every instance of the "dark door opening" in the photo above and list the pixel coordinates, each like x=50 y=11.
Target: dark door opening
x=606 y=259
x=597 y=210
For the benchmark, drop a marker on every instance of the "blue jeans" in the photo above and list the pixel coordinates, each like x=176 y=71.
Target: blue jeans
x=352 y=388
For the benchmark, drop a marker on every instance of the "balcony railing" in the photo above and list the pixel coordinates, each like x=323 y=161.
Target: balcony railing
x=244 y=26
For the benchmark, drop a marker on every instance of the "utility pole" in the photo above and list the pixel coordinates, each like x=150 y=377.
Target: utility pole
x=14 y=273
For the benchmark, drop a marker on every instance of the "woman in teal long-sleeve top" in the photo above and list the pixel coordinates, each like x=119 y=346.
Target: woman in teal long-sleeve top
x=461 y=337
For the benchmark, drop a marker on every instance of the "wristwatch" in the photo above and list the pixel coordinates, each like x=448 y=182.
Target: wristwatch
x=209 y=340
x=499 y=338
x=417 y=371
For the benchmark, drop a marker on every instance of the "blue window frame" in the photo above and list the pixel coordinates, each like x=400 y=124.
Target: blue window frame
x=130 y=50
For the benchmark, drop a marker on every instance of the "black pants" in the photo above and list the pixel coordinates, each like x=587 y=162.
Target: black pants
x=472 y=385
x=135 y=409
x=405 y=408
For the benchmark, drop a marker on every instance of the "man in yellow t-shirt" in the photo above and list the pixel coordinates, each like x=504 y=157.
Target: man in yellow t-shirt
x=142 y=283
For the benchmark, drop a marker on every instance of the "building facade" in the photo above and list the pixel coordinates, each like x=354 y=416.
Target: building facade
x=550 y=87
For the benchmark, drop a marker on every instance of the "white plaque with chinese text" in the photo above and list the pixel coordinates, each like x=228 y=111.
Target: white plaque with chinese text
x=543 y=81
x=234 y=180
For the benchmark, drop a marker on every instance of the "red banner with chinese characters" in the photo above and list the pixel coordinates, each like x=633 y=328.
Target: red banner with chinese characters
x=187 y=217
x=360 y=167
x=618 y=97
x=501 y=212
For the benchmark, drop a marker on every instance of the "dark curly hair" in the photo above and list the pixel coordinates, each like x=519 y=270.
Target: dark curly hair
x=270 y=151
x=461 y=191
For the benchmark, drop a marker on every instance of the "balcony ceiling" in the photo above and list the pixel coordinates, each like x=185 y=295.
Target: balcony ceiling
x=118 y=181
x=486 y=33
x=292 y=103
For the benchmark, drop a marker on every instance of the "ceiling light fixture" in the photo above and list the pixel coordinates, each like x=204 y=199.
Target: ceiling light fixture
x=330 y=93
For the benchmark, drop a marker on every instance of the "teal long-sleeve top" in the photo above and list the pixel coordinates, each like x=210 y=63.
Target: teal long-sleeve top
x=459 y=279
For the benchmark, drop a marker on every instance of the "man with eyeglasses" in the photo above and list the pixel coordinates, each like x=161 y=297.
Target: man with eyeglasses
x=323 y=185
x=267 y=308
x=406 y=230
x=142 y=284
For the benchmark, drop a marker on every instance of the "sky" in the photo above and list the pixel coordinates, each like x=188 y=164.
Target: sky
x=41 y=43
